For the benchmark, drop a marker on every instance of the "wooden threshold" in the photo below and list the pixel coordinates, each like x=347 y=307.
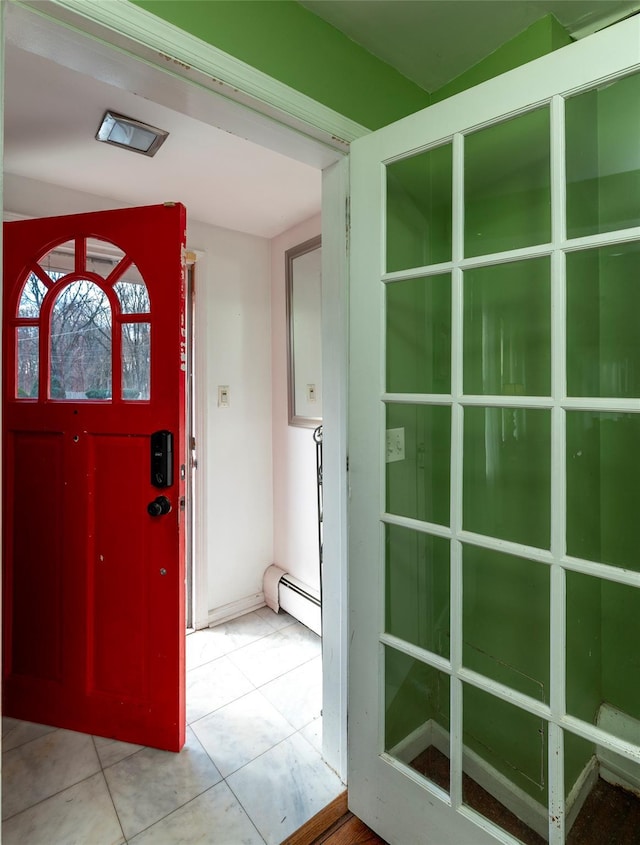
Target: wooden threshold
x=335 y=824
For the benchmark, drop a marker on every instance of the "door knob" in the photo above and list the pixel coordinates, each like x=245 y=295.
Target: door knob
x=160 y=506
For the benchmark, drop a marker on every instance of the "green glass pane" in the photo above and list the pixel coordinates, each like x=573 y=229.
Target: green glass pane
x=417 y=588
x=603 y=158
x=417 y=715
x=419 y=335
x=603 y=468
x=418 y=482
x=507 y=329
x=504 y=742
x=603 y=631
x=603 y=307
x=584 y=646
x=505 y=620
x=507 y=194
x=419 y=210
x=507 y=474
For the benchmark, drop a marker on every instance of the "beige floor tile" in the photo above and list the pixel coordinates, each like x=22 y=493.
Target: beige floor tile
x=79 y=815
x=45 y=766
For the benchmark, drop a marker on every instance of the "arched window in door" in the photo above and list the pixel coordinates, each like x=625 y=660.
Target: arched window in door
x=83 y=318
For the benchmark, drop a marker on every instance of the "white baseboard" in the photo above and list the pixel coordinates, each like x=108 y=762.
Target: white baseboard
x=416 y=742
x=580 y=790
x=235 y=609
x=519 y=802
x=614 y=768
x=293 y=603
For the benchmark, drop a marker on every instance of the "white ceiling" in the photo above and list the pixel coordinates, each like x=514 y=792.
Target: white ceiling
x=52 y=114
x=433 y=41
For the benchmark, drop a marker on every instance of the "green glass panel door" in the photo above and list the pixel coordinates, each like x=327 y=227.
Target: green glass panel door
x=495 y=423
x=472 y=451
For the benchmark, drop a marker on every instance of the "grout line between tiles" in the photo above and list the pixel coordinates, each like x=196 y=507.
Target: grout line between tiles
x=53 y=795
x=27 y=741
x=106 y=783
x=313 y=749
x=175 y=809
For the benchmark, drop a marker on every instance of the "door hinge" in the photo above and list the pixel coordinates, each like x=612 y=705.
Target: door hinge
x=347 y=219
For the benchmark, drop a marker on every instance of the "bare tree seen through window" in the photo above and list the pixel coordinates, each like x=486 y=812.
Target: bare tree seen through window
x=81 y=341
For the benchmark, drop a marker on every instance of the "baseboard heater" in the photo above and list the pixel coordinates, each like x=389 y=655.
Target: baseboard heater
x=283 y=590
x=301 y=591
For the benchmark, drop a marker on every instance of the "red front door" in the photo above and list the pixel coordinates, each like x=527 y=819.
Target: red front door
x=94 y=375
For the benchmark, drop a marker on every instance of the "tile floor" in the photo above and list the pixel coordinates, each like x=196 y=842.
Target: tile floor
x=250 y=772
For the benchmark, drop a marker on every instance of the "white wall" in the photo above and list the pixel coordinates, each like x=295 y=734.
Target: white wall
x=233 y=305
x=233 y=338
x=295 y=524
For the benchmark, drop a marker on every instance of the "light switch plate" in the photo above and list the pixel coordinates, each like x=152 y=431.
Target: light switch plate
x=395 y=444
x=223 y=396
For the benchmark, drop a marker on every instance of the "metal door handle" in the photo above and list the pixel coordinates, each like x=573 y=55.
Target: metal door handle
x=159 y=507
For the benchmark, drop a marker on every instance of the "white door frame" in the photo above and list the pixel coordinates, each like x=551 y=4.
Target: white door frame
x=255 y=106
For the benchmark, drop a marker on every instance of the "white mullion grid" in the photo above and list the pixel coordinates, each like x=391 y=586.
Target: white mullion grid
x=613 y=405
x=508 y=694
x=618 y=236
x=507 y=547
x=602 y=571
x=417 y=653
x=475 y=262
x=557 y=815
x=522 y=402
x=557 y=610
x=417 y=398
x=431 y=528
x=457 y=440
x=597 y=736
x=417 y=272
x=482 y=401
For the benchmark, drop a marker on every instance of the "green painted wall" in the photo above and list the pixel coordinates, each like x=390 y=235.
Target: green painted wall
x=286 y=41
x=291 y=44
x=542 y=37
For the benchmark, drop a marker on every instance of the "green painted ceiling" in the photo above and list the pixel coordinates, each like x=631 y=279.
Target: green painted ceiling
x=432 y=42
